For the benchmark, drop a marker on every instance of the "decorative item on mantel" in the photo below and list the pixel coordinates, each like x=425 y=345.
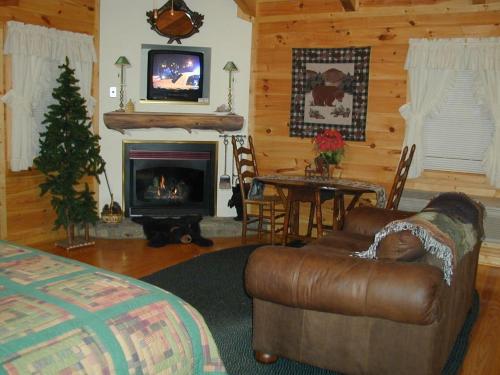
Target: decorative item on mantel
x=130 y=107
x=222 y=108
x=230 y=67
x=122 y=62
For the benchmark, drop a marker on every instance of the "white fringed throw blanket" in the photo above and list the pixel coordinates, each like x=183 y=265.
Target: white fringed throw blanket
x=448 y=229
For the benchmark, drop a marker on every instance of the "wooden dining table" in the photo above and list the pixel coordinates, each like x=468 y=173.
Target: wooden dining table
x=295 y=189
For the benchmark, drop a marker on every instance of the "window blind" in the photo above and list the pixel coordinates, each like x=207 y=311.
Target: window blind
x=457 y=139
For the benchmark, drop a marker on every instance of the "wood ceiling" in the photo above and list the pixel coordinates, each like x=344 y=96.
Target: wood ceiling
x=249 y=7
x=9 y=2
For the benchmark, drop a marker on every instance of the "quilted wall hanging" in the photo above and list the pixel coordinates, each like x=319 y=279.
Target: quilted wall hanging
x=329 y=91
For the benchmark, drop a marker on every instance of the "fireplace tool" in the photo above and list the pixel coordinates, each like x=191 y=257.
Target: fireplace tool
x=241 y=140
x=225 y=179
x=236 y=199
x=112 y=213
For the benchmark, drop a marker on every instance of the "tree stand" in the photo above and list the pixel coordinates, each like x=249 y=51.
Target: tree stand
x=73 y=242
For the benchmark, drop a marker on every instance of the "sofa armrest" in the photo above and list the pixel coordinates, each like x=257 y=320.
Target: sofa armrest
x=369 y=220
x=402 y=292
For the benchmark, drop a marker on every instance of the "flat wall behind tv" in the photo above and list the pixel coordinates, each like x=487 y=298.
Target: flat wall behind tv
x=207 y=51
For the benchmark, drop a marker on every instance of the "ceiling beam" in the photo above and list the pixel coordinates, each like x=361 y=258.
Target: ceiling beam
x=4 y=3
x=350 y=5
x=247 y=6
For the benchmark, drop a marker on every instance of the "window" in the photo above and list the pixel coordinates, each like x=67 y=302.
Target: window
x=457 y=138
x=36 y=53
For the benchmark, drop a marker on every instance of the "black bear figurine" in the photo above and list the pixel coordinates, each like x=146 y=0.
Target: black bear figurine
x=173 y=230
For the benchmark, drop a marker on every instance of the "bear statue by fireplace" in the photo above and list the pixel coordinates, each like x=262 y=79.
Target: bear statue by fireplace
x=161 y=232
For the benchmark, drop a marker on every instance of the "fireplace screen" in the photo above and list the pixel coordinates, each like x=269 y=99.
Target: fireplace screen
x=169 y=179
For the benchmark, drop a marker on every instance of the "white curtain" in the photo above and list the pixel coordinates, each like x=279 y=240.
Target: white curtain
x=36 y=53
x=428 y=88
x=490 y=82
x=431 y=66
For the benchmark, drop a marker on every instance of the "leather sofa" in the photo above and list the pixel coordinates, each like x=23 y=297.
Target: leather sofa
x=392 y=315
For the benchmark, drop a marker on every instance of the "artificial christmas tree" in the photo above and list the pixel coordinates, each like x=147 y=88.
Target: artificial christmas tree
x=69 y=151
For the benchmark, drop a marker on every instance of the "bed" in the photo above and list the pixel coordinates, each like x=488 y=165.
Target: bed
x=60 y=316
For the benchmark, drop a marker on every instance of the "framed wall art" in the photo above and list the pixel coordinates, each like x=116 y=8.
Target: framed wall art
x=329 y=91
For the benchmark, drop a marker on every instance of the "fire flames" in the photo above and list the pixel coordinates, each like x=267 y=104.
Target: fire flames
x=170 y=190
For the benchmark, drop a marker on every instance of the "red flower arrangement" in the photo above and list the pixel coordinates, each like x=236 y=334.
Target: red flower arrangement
x=330 y=145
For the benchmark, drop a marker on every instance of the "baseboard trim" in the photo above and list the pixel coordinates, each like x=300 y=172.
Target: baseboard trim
x=489 y=255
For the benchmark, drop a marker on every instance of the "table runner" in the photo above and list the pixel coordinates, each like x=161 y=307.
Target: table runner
x=326 y=183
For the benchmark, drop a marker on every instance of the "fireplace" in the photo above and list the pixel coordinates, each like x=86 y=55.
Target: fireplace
x=167 y=179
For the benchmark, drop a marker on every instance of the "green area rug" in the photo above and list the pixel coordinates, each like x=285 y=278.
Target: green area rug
x=213 y=284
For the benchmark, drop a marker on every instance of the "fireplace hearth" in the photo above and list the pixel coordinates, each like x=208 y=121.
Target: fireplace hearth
x=169 y=179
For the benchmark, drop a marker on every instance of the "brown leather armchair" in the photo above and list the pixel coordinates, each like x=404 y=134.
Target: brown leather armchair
x=392 y=315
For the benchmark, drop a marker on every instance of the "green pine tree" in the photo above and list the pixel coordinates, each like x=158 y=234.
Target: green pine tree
x=69 y=151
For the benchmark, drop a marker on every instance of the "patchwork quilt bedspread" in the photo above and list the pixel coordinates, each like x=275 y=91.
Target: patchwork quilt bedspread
x=59 y=316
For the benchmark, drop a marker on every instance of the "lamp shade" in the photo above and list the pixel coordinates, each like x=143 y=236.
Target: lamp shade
x=122 y=60
x=230 y=67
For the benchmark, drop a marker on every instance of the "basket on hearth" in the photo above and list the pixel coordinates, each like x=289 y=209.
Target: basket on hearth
x=112 y=213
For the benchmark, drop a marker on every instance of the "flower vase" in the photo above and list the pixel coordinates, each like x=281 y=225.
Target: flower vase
x=335 y=170
x=332 y=157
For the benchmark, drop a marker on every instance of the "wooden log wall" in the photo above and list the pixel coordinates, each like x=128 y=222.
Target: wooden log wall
x=280 y=26
x=24 y=216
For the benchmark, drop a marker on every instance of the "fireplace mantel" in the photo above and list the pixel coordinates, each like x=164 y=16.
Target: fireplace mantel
x=121 y=121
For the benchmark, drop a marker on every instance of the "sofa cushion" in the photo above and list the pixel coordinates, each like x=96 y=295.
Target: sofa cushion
x=369 y=220
x=401 y=246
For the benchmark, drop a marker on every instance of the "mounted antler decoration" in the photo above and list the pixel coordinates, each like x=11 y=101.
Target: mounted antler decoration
x=175 y=20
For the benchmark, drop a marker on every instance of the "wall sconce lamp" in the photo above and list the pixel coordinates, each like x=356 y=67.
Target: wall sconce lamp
x=230 y=67
x=121 y=62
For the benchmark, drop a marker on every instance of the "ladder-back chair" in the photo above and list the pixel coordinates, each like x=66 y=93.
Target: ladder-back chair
x=393 y=199
x=269 y=208
x=398 y=184
x=400 y=178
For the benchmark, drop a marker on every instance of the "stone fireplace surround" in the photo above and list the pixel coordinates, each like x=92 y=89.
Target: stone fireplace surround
x=211 y=227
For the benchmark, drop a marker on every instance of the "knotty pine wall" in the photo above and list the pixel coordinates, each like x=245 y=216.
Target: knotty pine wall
x=24 y=216
x=281 y=25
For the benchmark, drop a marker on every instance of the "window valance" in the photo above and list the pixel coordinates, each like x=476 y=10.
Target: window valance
x=53 y=44
x=455 y=54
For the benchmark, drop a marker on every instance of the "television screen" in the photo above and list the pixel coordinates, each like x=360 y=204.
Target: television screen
x=175 y=75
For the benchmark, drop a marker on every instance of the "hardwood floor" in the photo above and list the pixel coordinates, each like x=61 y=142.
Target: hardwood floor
x=483 y=356
x=134 y=258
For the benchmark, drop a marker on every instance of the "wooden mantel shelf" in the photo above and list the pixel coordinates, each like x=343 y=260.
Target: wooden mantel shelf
x=121 y=121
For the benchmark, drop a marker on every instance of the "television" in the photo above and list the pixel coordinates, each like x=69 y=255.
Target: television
x=175 y=75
